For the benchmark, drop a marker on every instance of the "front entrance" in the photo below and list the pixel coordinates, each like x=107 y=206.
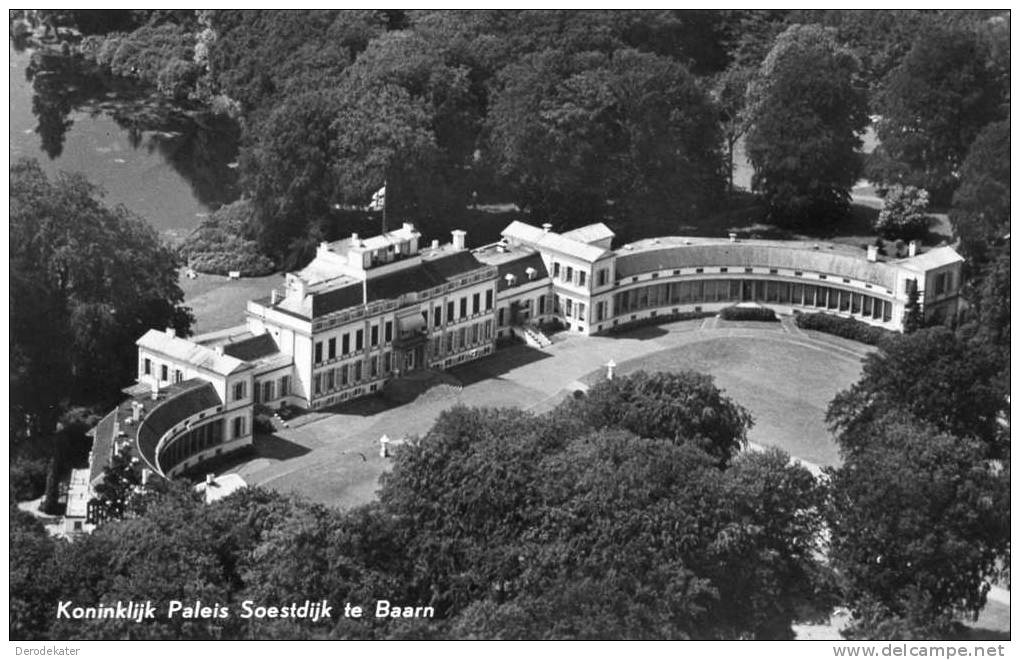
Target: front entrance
x=414 y=358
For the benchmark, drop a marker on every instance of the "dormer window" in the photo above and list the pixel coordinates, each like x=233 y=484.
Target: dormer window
x=511 y=279
x=531 y=272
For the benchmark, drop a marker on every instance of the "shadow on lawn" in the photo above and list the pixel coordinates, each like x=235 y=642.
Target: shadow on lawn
x=497 y=364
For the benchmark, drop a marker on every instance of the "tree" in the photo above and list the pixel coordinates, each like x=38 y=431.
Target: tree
x=918 y=521
x=580 y=135
x=913 y=318
x=683 y=408
x=904 y=213
x=806 y=111
x=32 y=589
x=118 y=491
x=933 y=106
x=933 y=375
x=91 y=281
x=980 y=212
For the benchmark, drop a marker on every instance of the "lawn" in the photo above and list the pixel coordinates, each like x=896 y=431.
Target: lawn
x=785 y=385
x=219 y=302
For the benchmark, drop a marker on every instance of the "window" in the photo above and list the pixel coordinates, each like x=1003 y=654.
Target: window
x=501 y=316
x=724 y=270
x=582 y=277
x=375 y=335
x=940 y=284
x=164 y=372
x=463 y=307
x=330 y=380
x=318 y=352
x=332 y=348
x=357 y=371
x=343 y=375
x=238 y=427
x=359 y=340
x=748 y=270
x=570 y=307
x=285 y=386
x=476 y=303
x=388 y=336
x=488 y=330
x=475 y=332
x=541 y=305
x=147 y=366
x=699 y=270
x=462 y=338
x=449 y=312
x=570 y=274
x=488 y=300
x=317 y=384
x=600 y=311
x=373 y=367
x=556 y=269
x=580 y=311
x=449 y=342
x=387 y=363
x=798 y=273
x=238 y=391
x=600 y=277
x=774 y=271
x=345 y=347
x=437 y=316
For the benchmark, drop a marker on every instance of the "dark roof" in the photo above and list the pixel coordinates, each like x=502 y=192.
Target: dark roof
x=192 y=397
x=252 y=348
x=519 y=267
x=426 y=275
x=334 y=300
x=102 y=446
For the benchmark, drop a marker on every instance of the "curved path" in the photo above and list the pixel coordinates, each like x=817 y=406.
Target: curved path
x=785 y=376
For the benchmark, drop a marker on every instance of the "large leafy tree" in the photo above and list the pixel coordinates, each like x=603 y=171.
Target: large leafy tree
x=919 y=521
x=91 y=281
x=980 y=212
x=682 y=407
x=580 y=134
x=935 y=376
x=934 y=104
x=806 y=109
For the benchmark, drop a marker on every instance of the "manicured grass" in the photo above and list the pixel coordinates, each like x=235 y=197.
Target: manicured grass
x=219 y=302
x=786 y=386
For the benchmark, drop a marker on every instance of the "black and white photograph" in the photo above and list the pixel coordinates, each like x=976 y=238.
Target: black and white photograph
x=489 y=325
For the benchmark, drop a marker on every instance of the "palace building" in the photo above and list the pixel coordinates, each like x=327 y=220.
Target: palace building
x=368 y=310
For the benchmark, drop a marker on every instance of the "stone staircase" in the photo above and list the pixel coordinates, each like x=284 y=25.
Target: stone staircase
x=532 y=336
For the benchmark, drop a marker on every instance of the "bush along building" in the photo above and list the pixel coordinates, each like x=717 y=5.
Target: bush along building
x=368 y=310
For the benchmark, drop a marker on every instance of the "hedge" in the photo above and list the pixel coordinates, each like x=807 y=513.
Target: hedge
x=656 y=320
x=843 y=327
x=737 y=313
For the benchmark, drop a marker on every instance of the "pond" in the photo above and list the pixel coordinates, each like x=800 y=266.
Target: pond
x=169 y=164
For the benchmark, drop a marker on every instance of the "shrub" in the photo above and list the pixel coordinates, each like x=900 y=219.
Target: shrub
x=904 y=214
x=219 y=246
x=843 y=327
x=737 y=313
x=657 y=320
x=28 y=478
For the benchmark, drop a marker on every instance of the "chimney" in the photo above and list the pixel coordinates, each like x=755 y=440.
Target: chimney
x=210 y=479
x=912 y=249
x=872 y=253
x=733 y=237
x=435 y=243
x=355 y=241
x=274 y=296
x=459 y=236
x=136 y=410
x=170 y=332
x=546 y=227
x=219 y=349
x=408 y=226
